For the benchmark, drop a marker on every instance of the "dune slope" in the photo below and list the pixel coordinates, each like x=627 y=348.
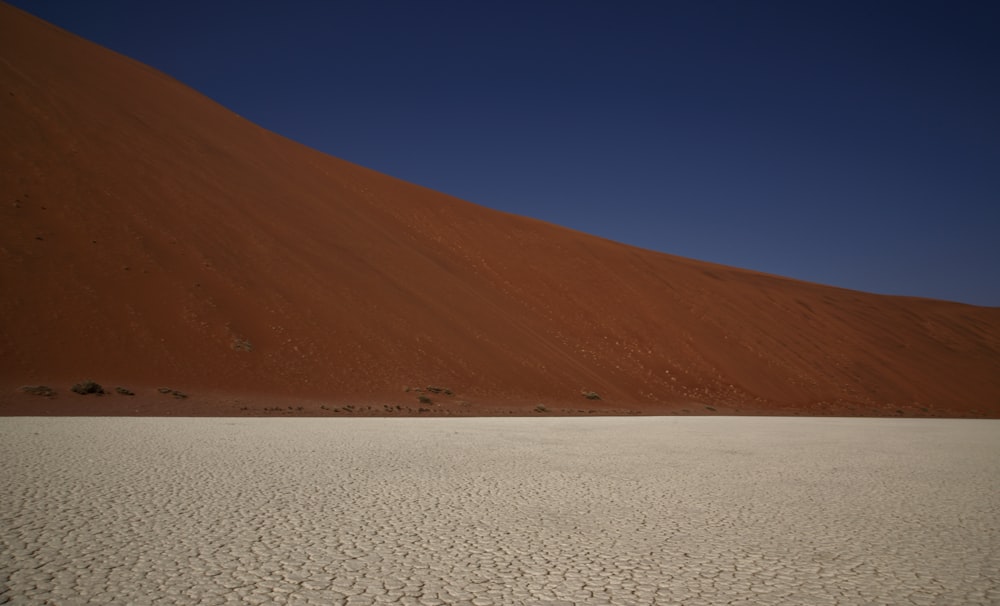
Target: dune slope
x=149 y=236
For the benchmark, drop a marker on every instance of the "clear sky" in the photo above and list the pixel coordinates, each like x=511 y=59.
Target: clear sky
x=852 y=143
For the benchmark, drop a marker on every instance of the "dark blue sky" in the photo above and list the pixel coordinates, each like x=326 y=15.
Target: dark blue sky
x=849 y=143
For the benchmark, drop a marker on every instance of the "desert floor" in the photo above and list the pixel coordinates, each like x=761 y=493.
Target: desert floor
x=641 y=510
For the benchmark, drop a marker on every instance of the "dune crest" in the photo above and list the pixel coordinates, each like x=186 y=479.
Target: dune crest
x=152 y=237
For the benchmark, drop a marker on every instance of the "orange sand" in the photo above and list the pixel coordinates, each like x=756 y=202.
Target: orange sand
x=150 y=237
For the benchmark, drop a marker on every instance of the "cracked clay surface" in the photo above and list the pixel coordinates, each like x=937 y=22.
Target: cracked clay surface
x=655 y=510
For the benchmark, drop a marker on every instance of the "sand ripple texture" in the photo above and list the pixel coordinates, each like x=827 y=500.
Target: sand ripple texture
x=499 y=511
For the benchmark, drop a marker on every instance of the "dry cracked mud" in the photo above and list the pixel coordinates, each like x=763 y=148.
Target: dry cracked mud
x=692 y=511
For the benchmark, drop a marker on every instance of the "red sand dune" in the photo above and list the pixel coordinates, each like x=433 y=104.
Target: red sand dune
x=149 y=235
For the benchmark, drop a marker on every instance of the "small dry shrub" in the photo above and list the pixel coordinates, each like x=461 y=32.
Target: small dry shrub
x=436 y=389
x=242 y=345
x=39 y=390
x=87 y=387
